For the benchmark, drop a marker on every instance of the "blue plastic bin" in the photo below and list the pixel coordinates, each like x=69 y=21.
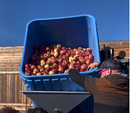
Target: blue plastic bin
x=71 y=31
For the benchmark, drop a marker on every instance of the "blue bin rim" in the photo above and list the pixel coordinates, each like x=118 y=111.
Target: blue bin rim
x=64 y=17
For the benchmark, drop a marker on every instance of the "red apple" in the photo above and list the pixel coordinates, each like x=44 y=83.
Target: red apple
x=91 y=56
x=67 y=55
x=39 y=67
x=75 y=58
x=53 y=60
x=83 y=67
x=52 y=53
x=63 y=48
x=55 y=71
x=27 y=65
x=39 y=73
x=80 y=48
x=71 y=66
x=72 y=54
x=55 y=65
x=35 y=71
x=80 y=54
x=80 y=58
x=61 y=69
x=60 y=59
x=62 y=52
x=88 y=61
x=58 y=46
x=81 y=70
x=47 y=70
x=78 y=62
x=51 y=72
x=43 y=73
x=65 y=63
x=88 y=53
x=77 y=67
x=89 y=50
x=48 y=49
x=48 y=62
x=60 y=56
x=86 y=57
x=27 y=68
x=83 y=61
x=28 y=72
x=64 y=57
x=57 y=50
x=46 y=56
x=75 y=49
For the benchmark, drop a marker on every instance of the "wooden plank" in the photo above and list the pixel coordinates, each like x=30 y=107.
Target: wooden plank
x=10 y=58
x=115 y=43
x=11 y=50
x=2 y=57
x=12 y=88
x=9 y=61
x=18 y=84
x=9 y=47
x=20 y=95
x=9 y=66
x=9 y=69
x=9 y=72
x=1 y=85
x=4 y=90
x=11 y=54
x=5 y=65
x=118 y=49
x=11 y=84
x=8 y=88
x=24 y=89
x=16 y=87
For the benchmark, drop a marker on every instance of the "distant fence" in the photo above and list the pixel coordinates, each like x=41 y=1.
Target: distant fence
x=10 y=86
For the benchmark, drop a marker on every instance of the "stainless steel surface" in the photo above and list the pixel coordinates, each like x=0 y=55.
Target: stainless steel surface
x=63 y=100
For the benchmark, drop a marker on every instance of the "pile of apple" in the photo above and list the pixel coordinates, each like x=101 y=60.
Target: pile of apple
x=55 y=59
